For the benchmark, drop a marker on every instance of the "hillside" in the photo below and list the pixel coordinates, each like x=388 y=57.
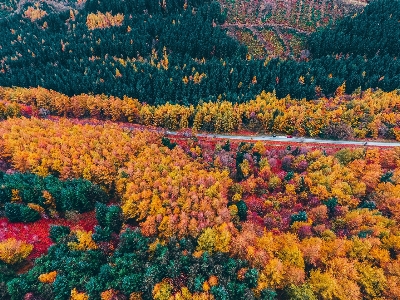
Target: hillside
x=157 y=150
x=304 y=15
x=27 y=7
x=280 y=28
x=268 y=28
x=177 y=53
x=192 y=218
x=374 y=32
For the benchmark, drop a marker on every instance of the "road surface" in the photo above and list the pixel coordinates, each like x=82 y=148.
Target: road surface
x=255 y=138
x=301 y=140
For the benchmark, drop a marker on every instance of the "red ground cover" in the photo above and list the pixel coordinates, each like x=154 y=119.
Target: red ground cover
x=37 y=233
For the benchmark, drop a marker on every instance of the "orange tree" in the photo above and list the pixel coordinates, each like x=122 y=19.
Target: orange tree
x=165 y=190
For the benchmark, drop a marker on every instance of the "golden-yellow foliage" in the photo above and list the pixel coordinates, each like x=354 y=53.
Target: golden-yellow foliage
x=75 y=295
x=85 y=241
x=13 y=251
x=372 y=280
x=214 y=239
x=165 y=190
x=36 y=207
x=95 y=153
x=371 y=112
x=172 y=194
x=162 y=291
x=100 y=20
x=48 y=277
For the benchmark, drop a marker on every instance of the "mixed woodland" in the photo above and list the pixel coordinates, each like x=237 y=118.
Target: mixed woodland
x=179 y=53
x=99 y=200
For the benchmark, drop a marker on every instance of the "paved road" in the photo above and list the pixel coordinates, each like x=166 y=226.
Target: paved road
x=278 y=138
x=282 y=138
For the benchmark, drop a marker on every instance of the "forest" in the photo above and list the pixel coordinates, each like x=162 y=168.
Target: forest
x=114 y=184
x=211 y=219
x=179 y=54
x=377 y=25
x=368 y=114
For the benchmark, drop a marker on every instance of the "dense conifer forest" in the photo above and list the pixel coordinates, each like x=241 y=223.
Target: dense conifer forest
x=374 y=32
x=178 y=53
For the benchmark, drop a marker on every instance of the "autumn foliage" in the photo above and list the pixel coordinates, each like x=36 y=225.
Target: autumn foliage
x=286 y=221
x=101 y=20
x=99 y=201
x=365 y=114
x=165 y=190
x=13 y=251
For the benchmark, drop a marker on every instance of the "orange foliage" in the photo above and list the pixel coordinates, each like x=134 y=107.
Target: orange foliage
x=171 y=194
x=165 y=190
x=48 y=277
x=75 y=295
x=100 y=20
x=34 y=13
x=95 y=153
